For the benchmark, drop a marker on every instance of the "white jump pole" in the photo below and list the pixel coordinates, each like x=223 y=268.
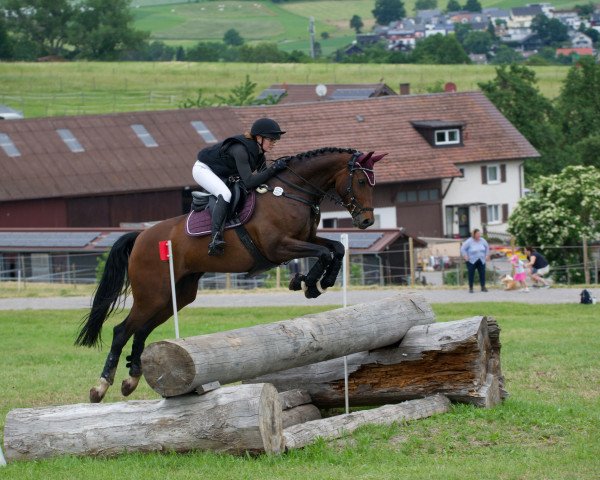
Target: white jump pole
x=344 y=238
x=2 y=460
x=173 y=293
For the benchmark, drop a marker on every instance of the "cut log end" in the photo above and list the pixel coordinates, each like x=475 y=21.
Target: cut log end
x=270 y=423
x=168 y=366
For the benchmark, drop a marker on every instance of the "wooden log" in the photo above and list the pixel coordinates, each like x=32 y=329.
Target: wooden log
x=237 y=419
x=458 y=359
x=300 y=414
x=303 y=434
x=175 y=367
x=294 y=398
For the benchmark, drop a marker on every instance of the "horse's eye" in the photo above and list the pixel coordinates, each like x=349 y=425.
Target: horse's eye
x=362 y=182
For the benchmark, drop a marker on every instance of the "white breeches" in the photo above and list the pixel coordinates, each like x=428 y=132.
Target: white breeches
x=209 y=181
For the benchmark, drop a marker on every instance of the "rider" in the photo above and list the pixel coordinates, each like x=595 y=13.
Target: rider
x=241 y=155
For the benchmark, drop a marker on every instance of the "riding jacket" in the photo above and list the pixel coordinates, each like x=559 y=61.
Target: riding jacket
x=237 y=156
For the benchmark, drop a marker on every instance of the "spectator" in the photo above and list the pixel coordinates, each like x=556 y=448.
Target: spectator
x=476 y=251
x=539 y=267
x=520 y=274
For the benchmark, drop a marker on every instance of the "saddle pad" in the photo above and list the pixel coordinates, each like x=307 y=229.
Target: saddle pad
x=198 y=224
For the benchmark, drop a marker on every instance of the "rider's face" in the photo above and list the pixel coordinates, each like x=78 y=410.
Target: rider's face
x=267 y=143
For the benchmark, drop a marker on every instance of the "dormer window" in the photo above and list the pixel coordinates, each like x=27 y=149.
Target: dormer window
x=440 y=133
x=447 y=137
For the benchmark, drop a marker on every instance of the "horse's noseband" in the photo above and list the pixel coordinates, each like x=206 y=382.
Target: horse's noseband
x=352 y=205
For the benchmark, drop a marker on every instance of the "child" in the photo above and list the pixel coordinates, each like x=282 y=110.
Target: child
x=520 y=275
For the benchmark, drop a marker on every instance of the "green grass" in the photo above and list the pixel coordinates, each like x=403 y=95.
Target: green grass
x=42 y=89
x=549 y=428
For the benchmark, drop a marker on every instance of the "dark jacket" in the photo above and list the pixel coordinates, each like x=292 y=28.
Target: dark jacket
x=237 y=156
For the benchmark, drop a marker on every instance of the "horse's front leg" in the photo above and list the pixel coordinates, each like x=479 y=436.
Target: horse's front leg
x=309 y=282
x=333 y=269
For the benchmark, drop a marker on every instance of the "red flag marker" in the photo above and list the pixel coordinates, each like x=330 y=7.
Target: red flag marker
x=163 y=250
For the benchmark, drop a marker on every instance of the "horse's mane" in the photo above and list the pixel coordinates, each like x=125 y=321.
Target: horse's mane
x=317 y=152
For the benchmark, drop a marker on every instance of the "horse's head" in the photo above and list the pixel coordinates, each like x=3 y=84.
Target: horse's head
x=355 y=187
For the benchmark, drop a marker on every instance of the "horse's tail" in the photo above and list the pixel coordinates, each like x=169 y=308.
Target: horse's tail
x=112 y=286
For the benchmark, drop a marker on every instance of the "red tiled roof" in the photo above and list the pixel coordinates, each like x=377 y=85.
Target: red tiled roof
x=116 y=161
x=384 y=124
x=579 y=51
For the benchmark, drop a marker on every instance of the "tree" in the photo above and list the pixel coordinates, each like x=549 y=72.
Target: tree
x=579 y=102
x=562 y=209
x=387 y=11
x=207 y=52
x=242 y=94
x=232 y=37
x=102 y=29
x=453 y=6
x=425 y=5
x=587 y=151
x=505 y=56
x=6 y=44
x=473 y=6
x=461 y=30
x=356 y=23
x=550 y=31
x=478 y=42
x=515 y=93
x=439 y=49
x=324 y=35
x=43 y=23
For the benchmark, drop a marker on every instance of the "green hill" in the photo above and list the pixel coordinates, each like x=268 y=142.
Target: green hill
x=179 y=22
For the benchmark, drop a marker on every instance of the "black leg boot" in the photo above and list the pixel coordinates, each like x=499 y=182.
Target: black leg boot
x=219 y=215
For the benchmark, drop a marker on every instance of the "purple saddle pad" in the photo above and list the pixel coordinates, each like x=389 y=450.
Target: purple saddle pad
x=198 y=224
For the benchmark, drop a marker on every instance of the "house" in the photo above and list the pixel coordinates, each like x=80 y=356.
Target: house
x=296 y=93
x=574 y=52
x=581 y=40
x=569 y=17
x=521 y=17
x=478 y=58
x=108 y=170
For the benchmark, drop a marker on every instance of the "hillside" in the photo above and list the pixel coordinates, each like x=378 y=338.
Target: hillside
x=180 y=22
x=48 y=89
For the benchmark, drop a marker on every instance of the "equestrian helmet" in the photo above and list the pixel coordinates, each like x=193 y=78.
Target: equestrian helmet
x=267 y=127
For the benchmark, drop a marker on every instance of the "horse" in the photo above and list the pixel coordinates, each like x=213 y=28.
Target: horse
x=282 y=228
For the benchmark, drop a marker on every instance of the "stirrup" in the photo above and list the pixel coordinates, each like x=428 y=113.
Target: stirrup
x=216 y=247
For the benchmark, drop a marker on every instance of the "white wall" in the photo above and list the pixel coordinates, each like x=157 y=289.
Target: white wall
x=470 y=190
x=384 y=217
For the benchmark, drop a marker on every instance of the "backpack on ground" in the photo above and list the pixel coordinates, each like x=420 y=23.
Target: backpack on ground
x=586 y=297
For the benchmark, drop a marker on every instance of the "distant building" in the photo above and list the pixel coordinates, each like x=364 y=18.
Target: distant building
x=8 y=113
x=296 y=93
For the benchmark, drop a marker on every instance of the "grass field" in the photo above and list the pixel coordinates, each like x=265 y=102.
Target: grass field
x=42 y=89
x=549 y=428
x=185 y=23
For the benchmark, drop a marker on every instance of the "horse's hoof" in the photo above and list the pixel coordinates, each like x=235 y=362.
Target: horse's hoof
x=129 y=385
x=312 y=291
x=296 y=282
x=96 y=395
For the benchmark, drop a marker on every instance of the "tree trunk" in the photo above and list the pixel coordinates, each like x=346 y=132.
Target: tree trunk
x=458 y=359
x=300 y=414
x=237 y=419
x=175 y=367
x=303 y=434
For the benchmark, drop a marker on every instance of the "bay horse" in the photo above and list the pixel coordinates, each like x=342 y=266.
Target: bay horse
x=282 y=228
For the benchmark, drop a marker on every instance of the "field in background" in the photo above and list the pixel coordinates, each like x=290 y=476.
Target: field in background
x=548 y=428
x=42 y=89
x=187 y=22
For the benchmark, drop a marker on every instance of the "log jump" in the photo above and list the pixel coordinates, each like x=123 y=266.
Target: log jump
x=176 y=367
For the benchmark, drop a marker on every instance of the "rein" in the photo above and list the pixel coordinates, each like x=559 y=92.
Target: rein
x=353 y=206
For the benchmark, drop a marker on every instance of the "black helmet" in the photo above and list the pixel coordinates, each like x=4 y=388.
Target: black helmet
x=267 y=127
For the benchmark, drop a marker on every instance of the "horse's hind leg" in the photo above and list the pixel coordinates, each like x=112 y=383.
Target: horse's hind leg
x=121 y=334
x=186 y=288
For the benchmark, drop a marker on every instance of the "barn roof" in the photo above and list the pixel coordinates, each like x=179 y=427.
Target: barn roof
x=150 y=151
x=302 y=93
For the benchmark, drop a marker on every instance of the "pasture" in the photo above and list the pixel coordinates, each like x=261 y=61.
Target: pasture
x=548 y=428
x=82 y=88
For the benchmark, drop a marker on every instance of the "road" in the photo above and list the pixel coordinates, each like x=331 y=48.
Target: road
x=284 y=298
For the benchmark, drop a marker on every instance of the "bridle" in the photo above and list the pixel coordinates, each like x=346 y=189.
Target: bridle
x=352 y=205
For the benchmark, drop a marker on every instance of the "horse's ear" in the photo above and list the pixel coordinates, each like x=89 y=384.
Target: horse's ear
x=376 y=158
x=364 y=158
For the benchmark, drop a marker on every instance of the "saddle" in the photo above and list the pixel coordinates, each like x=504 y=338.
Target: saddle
x=241 y=208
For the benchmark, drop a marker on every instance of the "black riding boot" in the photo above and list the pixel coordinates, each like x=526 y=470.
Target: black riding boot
x=219 y=215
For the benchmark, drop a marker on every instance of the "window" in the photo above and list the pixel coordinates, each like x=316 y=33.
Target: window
x=8 y=146
x=144 y=136
x=329 y=222
x=493 y=175
x=204 y=132
x=406 y=196
x=447 y=137
x=70 y=140
x=493 y=214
